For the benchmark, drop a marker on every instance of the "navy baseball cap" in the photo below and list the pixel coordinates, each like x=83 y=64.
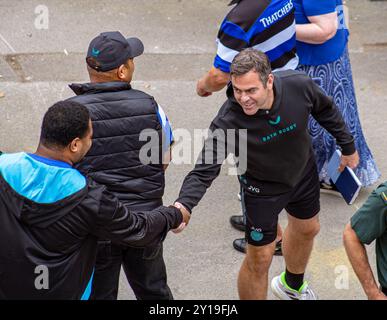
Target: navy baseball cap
x=109 y=50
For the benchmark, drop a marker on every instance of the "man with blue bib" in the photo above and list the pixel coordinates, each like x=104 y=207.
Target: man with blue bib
x=51 y=216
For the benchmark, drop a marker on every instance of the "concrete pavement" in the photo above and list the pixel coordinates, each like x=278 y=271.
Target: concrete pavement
x=179 y=37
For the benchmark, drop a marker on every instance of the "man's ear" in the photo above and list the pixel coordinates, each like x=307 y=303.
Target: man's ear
x=270 y=81
x=121 y=71
x=74 y=145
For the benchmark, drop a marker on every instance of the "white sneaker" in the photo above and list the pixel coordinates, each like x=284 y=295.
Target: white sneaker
x=283 y=292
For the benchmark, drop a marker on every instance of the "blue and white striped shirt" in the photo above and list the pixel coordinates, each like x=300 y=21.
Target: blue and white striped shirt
x=268 y=26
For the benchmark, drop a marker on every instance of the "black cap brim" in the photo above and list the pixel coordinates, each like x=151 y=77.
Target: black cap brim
x=136 y=47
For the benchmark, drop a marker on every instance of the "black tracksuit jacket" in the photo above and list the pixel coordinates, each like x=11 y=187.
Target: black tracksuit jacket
x=278 y=141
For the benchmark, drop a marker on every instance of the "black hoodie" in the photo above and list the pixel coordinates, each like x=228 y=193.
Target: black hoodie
x=62 y=237
x=278 y=142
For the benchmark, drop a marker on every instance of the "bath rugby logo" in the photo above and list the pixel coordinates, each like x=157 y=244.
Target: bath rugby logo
x=279 y=132
x=256 y=234
x=277 y=121
x=95 y=52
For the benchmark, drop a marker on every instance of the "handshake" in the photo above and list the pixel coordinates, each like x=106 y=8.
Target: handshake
x=186 y=216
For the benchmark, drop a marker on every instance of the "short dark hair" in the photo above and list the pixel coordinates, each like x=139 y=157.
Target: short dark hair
x=63 y=122
x=251 y=59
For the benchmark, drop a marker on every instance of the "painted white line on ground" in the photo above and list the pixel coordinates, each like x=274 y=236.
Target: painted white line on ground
x=7 y=43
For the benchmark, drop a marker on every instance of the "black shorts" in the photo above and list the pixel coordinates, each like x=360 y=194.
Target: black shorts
x=261 y=211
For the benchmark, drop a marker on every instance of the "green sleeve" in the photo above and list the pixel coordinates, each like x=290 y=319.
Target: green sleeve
x=370 y=221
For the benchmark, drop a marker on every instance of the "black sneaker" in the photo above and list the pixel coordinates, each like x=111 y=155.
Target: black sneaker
x=278 y=248
x=240 y=245
x=237 y=222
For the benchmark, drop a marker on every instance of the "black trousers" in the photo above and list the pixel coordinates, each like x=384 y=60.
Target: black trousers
x=144 y=269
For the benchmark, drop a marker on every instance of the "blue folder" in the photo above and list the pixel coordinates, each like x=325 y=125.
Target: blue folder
x=346 y=182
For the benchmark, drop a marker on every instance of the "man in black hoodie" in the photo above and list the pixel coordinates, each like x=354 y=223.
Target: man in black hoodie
x=269 y=113
x=51 y=216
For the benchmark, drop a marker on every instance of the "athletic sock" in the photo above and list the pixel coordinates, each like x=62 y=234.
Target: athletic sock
x=294 y=281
